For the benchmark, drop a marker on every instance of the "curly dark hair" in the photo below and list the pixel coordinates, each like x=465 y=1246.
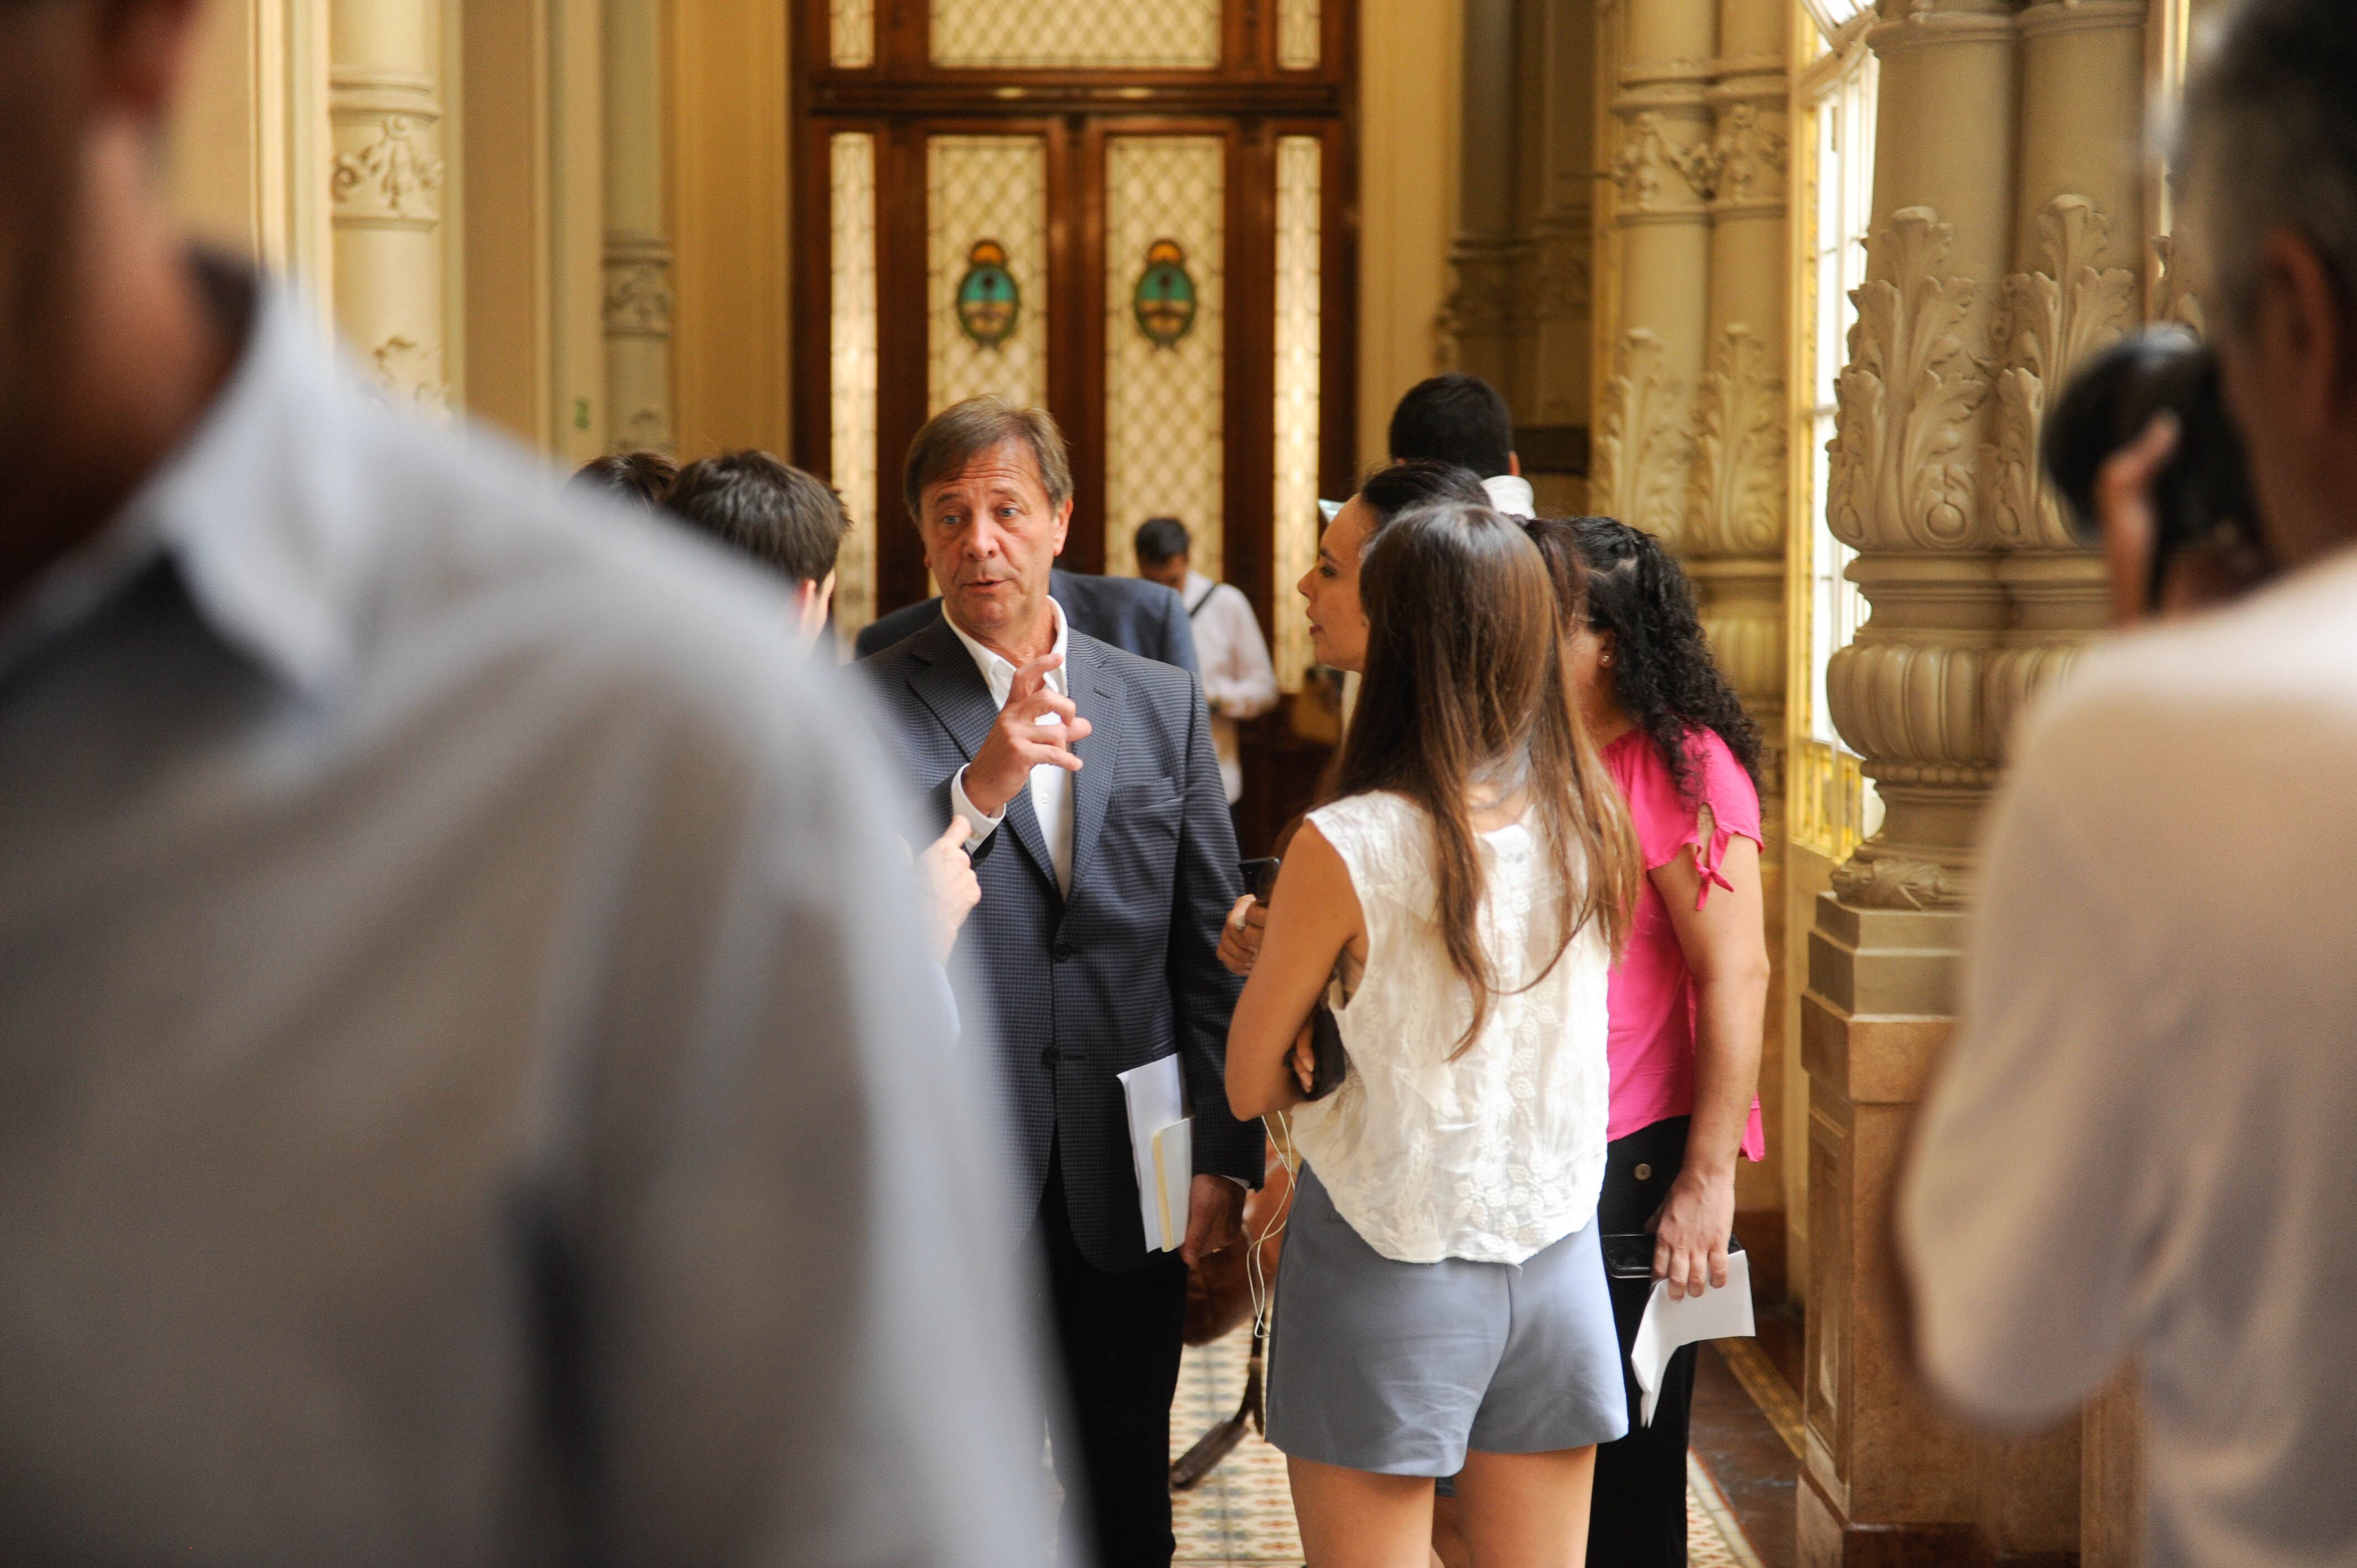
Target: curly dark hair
x=1663 y=674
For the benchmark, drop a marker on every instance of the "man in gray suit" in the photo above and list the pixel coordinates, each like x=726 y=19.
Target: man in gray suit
x=1097 y=933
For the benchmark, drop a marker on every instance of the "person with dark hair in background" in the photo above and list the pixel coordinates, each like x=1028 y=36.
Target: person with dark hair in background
x=1338 y=621
x=1458 y=892
x=1239 y=681
x=2139 y=1141
x=464 y=1101
x=643 y=478
x=789 y=521
x=1689 y=994
x=1461 y=419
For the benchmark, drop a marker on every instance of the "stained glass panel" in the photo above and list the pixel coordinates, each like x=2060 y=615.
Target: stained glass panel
x=1165 y=278
x=1299 y=33
x=1078 y=34
x=852 y=324
x=986 y=196
x=1298 y=345
x=851 y=33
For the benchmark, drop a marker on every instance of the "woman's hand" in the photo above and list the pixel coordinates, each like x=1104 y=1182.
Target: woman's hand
x=1314 y=915
x=1691 y=1231
x=1240 y=936
x=1304 y=1057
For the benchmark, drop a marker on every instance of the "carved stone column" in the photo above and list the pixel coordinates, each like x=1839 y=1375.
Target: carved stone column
x=1664 y=172
x=638 y=283
x=1489 y=259
x=386 y=178
x=1738 y=487
x=1883 y=1473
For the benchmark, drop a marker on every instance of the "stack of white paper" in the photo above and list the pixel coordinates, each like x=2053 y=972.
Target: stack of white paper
x=1162 y=1147
x=1720 y=1313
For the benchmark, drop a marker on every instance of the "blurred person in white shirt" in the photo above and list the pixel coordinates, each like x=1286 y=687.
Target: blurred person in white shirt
x=2140 y=1143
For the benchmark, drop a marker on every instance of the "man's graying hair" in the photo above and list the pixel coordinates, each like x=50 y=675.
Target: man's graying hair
x=2268 y=139
x=953 y=437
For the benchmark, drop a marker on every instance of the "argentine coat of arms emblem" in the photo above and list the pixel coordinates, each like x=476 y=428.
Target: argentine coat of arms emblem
x=1164 y=301
x=988 y=301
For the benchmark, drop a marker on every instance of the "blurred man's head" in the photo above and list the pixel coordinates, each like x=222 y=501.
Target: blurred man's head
x=789 y=521
x=1163 y=547
x=105 y=357
x=2268 y=162
x=636 y=478
x=1456 y=419
x=990 y=488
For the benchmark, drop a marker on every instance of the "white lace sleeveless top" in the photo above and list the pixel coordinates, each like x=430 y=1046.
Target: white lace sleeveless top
x=1498 y=1153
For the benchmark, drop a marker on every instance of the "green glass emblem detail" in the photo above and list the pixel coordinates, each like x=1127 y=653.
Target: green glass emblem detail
x=1164 y=300
x=988 y=302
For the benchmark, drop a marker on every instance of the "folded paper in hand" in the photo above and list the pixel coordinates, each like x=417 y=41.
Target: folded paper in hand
x=1162 y=1147
x=1723 y=1312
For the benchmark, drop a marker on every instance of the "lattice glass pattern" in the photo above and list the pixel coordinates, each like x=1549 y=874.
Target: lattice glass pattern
x=852 y=451
x=851 y=33
x=1298 y=344
x=1078 y=34
x=1299 y=34
x=986 y=188
x=1165 y=407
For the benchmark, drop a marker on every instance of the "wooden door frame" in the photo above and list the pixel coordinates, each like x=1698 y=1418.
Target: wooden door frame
x=1249 y=101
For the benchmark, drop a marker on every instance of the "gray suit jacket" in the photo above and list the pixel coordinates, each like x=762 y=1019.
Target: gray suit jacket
x=1125 y=970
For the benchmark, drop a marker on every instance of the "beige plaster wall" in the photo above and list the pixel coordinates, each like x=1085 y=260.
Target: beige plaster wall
x=1411 y=91
x=731 y=352
x=243 y=164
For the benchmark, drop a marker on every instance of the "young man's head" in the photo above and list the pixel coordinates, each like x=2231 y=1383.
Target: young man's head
x=1162 y=549
x=789 y=520
x=1456 y=419
x=634 y=478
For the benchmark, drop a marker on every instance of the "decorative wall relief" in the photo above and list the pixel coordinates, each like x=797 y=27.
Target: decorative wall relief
x=1903 y=456
x=1646 y=154
x=1736 y=496
x=1642 y=449
x=638 y=299
x=2051 y=320
x=1749 y=158
x=391 y=175
x=408 y=372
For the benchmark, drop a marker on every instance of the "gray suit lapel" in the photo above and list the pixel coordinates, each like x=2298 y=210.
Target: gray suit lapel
x=947 y=682
x=1103 y=698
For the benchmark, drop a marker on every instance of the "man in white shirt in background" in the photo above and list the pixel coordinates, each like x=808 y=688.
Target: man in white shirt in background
x=2140 y=1143
x=1239 y=681
x=1464 y=420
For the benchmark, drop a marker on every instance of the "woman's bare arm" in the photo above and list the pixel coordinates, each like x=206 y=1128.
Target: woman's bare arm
x=1312 y=916
x=1726 y=948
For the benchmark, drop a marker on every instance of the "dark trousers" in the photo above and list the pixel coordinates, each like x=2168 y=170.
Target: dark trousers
x=1639 y=1517
x=1119 y=1335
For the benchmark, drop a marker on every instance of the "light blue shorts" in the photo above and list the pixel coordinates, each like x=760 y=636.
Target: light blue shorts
x=1400 y=1368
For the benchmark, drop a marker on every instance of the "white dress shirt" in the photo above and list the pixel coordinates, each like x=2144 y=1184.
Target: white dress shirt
x=1051 y=787
x=1511 y=496
x=458 y=1007
x=2139 y=1143
x=1239 y=683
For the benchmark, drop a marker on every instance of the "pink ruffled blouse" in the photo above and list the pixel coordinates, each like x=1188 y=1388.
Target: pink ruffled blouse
x=1651 y=998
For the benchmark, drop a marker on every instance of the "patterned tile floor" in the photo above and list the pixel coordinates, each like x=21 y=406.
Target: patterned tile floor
x=1241 y=1516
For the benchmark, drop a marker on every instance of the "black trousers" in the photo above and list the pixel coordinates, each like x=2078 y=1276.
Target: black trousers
x=1638 y=1519
x=1120 y=1337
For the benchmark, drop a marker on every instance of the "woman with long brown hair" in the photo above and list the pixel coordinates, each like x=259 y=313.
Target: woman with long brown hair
x=1457 y=900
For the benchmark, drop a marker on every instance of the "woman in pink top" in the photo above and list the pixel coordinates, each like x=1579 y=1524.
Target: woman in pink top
x=1689 y=997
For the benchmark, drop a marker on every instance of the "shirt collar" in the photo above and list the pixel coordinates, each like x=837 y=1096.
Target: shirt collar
x=1197 y=586
x=1510 y=494
x=259 y=509
x=997 y=672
